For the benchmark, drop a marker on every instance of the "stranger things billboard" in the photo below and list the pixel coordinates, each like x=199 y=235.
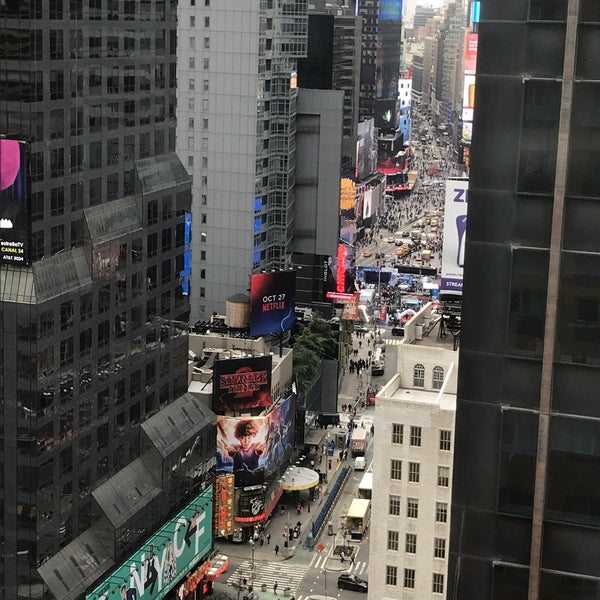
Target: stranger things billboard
x=14 y=203
x=272 y=302
x=242 y=383
x=253 y=448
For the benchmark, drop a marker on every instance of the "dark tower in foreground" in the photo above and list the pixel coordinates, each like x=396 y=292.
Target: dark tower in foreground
x=526 y=491
x=93 y=334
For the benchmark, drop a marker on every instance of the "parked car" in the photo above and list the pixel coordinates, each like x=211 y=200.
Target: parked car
x=346 y=581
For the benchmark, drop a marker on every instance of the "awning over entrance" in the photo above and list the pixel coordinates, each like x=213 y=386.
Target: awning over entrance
x=299 y=478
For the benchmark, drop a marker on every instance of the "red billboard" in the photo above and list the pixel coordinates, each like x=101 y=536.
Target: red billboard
x=15 y=224
x=471 y=54
x=272 y=302
x=242 y=383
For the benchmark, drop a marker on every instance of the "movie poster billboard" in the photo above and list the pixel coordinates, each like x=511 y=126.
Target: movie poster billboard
x=471 y=53
x=252 y=448
x=158 y=565
x=15 y=222
x=242 y=383
x=368 y=204
x=272 y=302
x=455 y=228
x=366 y=149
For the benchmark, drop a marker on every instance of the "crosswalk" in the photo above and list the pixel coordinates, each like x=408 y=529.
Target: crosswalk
x=394 y=342
x=358 y=568
x=269 y=574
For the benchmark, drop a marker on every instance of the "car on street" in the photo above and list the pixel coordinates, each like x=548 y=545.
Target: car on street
x=347 y=581
x=361 y=329
x=389 y=239
x=367 y=253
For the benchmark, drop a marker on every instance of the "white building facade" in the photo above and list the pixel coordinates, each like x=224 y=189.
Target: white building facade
x=412 y=471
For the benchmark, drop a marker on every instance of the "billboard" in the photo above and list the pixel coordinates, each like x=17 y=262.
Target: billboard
x=386 y=114
x=455 y=228
x=368 y=204
x=390 y=10
x=155 y=568
x=15 y=223
x=471 y=53
x=252 y=448
x=224 y=505
x=468 y=98
x=366 y=149
x=341 y=270
x=348 y=198
x=272 y=302
x=242 y=383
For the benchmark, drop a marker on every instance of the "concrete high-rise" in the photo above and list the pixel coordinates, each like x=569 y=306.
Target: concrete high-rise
x=236 y=111
x=526 y=497
x=93 y=331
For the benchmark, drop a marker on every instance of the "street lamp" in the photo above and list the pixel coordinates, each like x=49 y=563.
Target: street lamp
x=252 y=573
x=324 y=571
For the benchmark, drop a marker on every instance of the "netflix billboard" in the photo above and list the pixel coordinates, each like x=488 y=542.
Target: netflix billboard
x=242 y=383
x=272 y=302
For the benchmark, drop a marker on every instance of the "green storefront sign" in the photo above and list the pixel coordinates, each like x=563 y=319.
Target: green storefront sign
x=165 y=558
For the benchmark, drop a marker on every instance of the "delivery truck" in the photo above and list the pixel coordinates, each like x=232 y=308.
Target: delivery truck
x=358 y=442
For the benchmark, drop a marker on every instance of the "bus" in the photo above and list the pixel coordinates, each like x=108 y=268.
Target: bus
x=378 y=361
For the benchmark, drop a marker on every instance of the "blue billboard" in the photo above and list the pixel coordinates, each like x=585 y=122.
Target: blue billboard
x=390 y=10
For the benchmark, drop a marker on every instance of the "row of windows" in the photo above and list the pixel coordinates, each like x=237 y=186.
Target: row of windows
x=414 y=472
x=412 y=508
x=416 y=436
x=410 y=543
x=128 y=10
x=437 y=377
x=391 y=578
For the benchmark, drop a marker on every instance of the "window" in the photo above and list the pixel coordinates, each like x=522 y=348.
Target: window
x=439 y=548
x=397 y=433
x=438 y=583
x=206 y=63
x=394 y=505
x=206 y=21
x=396 y=469
x=411 y=543
x=438 y=378
x=445 y=439
x=412 y=508
x=192 y=21
x=409 y=578
x=392 y=540
x=443 y=476
x=207 y=42
x=192 y=84
x=419 y=376
x=192 y=62
x=391 y=575
x=414 y=472
x=415 y=436
x=441 y=512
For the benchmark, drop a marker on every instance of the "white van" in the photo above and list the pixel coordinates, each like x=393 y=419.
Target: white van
x=359 y=463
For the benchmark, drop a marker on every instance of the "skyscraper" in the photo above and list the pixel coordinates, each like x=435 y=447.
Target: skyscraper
x=236 y=135
x=93 y=320
x=526 y=497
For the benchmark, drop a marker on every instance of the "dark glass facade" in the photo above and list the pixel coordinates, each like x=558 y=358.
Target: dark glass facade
x=94 y=332
x=526 y=497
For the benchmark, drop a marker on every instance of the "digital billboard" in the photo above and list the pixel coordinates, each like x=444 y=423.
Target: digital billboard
x=471 y=53
x=155 y=568
x=224 y=485
x=272 y=302
x=390 y=10
x=468 y=98
x=15 y=224
x=366 y=149
x=455 y=228
x=368 y=204
x=348 y=198
x=242 y=383
x=341 y=270
x=252 y=448
x=386 y=114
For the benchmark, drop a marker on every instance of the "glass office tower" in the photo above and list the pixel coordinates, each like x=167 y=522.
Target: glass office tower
x=526 y=491
x=93 y=327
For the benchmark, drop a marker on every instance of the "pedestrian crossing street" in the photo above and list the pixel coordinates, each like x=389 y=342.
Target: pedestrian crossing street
x=358 y=568
x=284 y=574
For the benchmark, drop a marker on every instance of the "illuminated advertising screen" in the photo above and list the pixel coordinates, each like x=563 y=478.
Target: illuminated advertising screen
x=386 y=114
x=348 y=198
x=471 y=53
x=224 y=485
x=368 y=204
x=468 y=98
x=341 y=271
x=157 y=566
x=366 y=149
x=15 y=223
x=242 y=383
x=272 y=302
x=252 y=448
x=390 y=10
x=455 y=228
